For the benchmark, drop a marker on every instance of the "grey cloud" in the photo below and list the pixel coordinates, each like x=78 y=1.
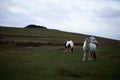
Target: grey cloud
x=19 y=21
x=54 y=11
x=108 y=12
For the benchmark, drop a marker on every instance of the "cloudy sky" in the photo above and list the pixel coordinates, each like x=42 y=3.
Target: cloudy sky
x=94 y=17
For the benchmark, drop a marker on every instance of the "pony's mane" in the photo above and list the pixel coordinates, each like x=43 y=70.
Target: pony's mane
x=87 y=43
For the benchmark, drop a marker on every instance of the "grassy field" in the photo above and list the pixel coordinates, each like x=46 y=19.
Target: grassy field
x=37 y=35
x=50 y=62
x=46 y=36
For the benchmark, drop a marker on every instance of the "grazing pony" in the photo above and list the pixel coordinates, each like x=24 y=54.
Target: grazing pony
x=89 y=47
x=69 y=45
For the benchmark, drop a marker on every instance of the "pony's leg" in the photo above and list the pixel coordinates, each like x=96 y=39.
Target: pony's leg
x=91 y=53
x=84 y=56
x=65 y=50
x=90 y=56
x=94 y=55
x=71 y=49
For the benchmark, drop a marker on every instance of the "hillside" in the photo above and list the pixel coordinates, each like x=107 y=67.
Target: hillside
x=37 y=37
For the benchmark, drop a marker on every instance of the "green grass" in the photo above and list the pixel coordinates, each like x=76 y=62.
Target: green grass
x=52 y=63
x=45 y=36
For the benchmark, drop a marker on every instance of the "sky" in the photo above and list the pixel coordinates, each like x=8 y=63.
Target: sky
x=93 y=17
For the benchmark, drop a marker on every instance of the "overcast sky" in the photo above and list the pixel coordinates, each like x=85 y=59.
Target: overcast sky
x=93 y=17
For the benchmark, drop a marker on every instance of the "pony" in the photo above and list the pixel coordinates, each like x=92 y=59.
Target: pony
x=89 y=48
x=69 y=45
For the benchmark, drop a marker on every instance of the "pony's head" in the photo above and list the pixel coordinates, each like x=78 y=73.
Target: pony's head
x=93 y=40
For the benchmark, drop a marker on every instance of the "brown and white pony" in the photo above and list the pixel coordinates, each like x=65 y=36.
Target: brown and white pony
x=69 y=45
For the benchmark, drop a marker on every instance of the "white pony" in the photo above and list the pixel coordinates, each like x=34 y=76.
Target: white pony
x=69 y=45
x=89 y=47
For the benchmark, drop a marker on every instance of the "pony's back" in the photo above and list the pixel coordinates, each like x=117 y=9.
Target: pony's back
x=70 y=43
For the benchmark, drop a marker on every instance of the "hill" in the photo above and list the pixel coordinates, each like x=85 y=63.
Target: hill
x=37 y=37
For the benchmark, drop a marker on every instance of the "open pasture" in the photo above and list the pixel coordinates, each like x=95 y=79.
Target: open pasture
x=52 y=63
x=49 y=61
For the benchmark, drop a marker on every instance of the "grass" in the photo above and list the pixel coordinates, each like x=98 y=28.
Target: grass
x=51 y=62
x=47 y=36
x=43 y=36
